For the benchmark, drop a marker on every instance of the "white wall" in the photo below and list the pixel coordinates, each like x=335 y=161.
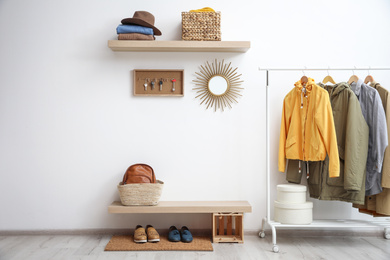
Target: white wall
x=70 y=126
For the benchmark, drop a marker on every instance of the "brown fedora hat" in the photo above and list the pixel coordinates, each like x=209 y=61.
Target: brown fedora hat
x=142 y=18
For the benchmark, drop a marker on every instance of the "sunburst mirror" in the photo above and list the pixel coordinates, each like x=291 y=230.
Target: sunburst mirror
x=217 y=85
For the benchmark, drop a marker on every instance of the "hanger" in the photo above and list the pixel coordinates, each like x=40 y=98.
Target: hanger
x=304 y=79
x=353 y=78
x=328 y=79
x=369 y=78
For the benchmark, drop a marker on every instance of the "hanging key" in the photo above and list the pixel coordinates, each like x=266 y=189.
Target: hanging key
x=173 y=84
x=161 y=82
x=152 y=84
x=146 y=84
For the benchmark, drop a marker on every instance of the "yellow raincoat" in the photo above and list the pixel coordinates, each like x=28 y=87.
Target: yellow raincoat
x=307 y=131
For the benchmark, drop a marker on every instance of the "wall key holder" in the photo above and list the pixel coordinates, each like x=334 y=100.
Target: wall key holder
x=149 y=82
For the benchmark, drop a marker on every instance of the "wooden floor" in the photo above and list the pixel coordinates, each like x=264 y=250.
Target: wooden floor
x=291 y=247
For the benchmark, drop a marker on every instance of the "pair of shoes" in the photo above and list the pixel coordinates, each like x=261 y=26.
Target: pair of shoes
x=151 y=235
x=175 y=236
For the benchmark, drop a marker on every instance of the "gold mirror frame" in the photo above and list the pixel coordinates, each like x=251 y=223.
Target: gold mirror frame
x=218 y=101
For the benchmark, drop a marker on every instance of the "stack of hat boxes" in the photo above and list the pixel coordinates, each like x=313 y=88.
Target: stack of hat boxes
x=291 y=206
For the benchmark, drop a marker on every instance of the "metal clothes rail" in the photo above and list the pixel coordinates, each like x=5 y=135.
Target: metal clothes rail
x=337 y=223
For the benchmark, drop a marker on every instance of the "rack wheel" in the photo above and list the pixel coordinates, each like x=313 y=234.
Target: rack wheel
x=275 y=248
x=262 y=234
x=386 y=233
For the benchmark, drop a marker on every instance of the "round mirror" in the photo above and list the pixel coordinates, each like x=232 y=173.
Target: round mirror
x=218 y=85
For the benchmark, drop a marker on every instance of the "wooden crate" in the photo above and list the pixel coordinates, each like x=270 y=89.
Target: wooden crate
x=228 y=228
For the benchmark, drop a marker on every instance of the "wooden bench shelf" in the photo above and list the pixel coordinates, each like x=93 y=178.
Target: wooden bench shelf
x=179 y=46
x=220 y=210
x=184 y=207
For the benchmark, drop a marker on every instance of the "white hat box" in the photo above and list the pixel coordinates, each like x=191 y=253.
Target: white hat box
x=293 y=213
x=291 y=193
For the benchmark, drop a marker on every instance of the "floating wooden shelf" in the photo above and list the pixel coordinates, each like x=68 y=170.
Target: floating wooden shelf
x=180 y=46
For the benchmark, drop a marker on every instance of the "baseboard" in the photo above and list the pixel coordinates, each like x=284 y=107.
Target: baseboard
x=205 y=232
x=116 y=231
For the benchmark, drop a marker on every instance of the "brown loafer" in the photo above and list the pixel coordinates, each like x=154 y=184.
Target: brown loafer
x=139 y=234
x=152 y=233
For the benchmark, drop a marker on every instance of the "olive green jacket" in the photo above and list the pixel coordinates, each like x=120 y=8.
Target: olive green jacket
x=352 y=141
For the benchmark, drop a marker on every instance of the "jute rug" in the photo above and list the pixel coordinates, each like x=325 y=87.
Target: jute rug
x=126 y=243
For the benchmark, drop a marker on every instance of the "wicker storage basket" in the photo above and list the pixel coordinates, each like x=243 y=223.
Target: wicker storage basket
x=147 y=194
x=201 y=26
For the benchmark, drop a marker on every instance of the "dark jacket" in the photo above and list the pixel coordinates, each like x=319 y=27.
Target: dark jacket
x=352 y=141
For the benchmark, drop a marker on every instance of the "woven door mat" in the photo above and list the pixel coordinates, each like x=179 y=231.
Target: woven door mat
x=126 y=243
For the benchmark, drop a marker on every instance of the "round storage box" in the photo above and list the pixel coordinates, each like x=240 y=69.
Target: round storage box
x=297 y=213
x=291 y=193
x=147 y=194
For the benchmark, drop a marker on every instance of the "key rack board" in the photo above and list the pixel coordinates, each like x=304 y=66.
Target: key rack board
x=147 y=76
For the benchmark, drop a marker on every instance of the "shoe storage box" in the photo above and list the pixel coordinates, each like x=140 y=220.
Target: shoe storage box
x=291 y=206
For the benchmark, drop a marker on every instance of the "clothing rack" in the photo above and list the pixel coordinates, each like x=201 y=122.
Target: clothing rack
x=316 y=224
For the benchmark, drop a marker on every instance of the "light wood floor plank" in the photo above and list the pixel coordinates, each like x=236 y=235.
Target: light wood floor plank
x=87 y=247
